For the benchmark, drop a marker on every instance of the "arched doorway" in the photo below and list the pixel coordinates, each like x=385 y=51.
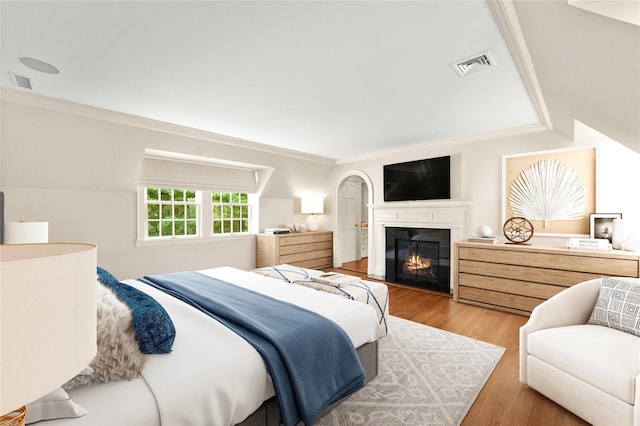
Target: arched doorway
x=353 y=198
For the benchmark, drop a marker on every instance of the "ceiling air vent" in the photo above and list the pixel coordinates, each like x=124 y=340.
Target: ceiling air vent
x=21 y=81
x=473 y=64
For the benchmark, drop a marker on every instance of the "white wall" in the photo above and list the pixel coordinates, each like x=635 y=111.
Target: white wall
x=619 y=175
x=80 y=173
x=477 y=175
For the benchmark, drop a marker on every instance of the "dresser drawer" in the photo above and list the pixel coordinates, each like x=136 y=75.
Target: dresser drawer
x=312 y=250
x=517 y=278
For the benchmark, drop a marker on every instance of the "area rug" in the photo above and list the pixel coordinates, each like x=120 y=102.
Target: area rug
x=426 y=376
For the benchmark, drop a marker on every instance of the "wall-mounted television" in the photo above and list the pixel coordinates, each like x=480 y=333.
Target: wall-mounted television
x=427 y=179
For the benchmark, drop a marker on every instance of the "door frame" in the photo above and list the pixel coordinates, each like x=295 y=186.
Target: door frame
x=337 y=261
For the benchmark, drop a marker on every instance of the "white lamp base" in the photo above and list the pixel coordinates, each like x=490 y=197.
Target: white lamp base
x=312 y=223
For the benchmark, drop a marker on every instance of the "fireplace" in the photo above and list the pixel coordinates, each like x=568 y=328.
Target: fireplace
x=418 y=257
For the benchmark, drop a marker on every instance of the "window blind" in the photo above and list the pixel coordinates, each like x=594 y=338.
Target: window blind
x=171 y=173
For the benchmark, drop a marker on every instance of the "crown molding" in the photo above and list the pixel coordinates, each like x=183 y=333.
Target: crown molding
x=87 y=111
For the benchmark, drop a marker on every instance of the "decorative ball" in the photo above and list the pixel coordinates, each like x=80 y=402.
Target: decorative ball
x=484 y=231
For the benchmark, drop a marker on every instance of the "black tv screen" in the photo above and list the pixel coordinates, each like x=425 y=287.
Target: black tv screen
x=427 y=179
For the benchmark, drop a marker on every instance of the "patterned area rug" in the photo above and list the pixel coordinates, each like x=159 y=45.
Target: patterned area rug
x=426 y=376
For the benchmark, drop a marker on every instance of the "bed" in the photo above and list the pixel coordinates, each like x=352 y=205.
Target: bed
x=375 y=294
x=212 y=376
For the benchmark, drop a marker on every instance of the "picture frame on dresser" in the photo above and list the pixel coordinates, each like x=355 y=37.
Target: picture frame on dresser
x=601 y=225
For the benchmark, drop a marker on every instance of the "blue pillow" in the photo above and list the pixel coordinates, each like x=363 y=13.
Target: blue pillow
x=155 y=331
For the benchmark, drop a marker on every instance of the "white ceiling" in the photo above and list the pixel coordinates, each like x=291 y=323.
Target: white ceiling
x=335 y=79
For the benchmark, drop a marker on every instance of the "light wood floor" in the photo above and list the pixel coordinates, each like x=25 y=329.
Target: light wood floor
x=503 y=400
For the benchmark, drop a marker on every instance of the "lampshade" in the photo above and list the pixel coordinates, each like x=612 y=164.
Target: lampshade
x=26 y=232
x=312 y=204
x=47 y=318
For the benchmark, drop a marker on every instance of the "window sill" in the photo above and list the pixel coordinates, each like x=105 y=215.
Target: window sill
x=195 y=240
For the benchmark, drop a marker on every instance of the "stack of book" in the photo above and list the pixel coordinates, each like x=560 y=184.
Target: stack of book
x=479 y=239
x=272 y=231
x=597 y=244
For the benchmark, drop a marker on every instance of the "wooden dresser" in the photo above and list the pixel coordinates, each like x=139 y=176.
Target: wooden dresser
x=312 y=250
x=516 y=278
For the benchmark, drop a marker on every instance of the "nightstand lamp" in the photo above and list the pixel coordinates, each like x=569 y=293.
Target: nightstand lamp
x=47 y=320
x=312 y=205
x=26 y=232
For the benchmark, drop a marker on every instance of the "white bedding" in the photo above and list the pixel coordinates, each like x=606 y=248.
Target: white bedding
x=372 y=293
x=212 y=376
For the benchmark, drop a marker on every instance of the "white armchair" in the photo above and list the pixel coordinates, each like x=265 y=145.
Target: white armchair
x=591 y=370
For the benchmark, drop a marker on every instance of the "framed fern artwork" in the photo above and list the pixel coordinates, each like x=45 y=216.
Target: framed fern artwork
x=555 y=190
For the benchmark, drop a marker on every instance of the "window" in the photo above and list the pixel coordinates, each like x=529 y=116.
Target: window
x=171 y=212
x=230 y=212
x=183 y=197
x=188 y=213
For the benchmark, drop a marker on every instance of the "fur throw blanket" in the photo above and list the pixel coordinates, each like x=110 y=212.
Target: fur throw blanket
x=119 y=356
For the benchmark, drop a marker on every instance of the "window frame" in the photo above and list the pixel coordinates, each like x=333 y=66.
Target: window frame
x=223 y=220
x=172 y=204
x=204 y=219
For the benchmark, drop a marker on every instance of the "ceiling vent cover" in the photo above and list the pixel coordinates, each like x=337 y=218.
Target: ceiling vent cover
x=21 y=81
x=473 y=64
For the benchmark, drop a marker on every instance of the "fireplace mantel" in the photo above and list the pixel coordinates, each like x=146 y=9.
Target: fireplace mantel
x=412 y=214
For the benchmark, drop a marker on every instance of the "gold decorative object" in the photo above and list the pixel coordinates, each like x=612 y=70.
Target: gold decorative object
x=517 y=230
x=15 y=418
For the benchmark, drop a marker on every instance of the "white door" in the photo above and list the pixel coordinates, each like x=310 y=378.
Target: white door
x=349 y=218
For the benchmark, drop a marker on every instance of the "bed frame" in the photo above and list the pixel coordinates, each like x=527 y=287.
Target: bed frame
x=268 y=414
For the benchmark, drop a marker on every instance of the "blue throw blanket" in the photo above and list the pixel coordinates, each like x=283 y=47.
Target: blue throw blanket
x=311 y=360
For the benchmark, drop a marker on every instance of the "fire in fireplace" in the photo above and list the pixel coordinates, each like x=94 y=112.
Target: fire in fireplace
x=418 y=266
x=418 y=257
x=417 y=260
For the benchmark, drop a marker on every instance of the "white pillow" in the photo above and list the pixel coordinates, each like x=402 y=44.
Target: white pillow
x=54 y=405
x=618 y=305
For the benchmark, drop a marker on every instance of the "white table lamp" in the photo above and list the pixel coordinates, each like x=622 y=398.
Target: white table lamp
x=47 y=319
x=26 y=232
x=312 y=205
